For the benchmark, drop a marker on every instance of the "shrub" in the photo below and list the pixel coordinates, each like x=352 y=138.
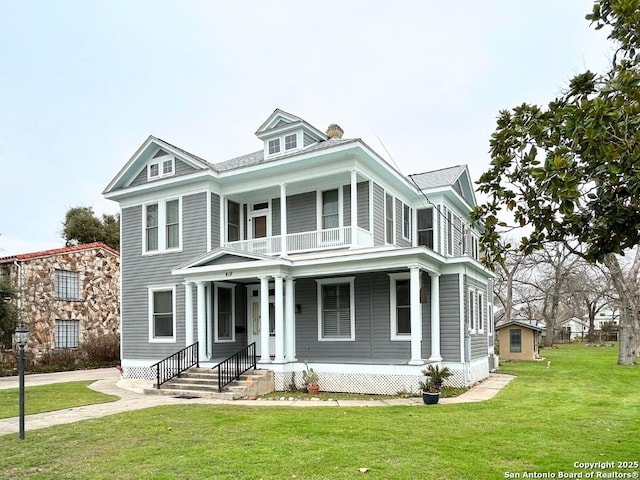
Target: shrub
x=100 y=349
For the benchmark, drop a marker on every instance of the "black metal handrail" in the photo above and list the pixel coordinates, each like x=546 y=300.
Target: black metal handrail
x=234 y=366
x=175 y=364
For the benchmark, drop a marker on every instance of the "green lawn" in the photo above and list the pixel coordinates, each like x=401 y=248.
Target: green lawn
x=582 y=409
x=46 y=398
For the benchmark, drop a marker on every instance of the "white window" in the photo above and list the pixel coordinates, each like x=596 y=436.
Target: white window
x=388 y=218
x=406 y=221
x=274 y=146
x=336 y=309
x=400 y=306
x=173 y=224
x=480 y=312
x=233 y=221
x=67 y=285
x=162 y=314
x=224 y=300
x=330 y=209
x=290 y=142
x=425 y=227
x=164 y=216
x=472 y=311
x=162 y=166
x=67 y=333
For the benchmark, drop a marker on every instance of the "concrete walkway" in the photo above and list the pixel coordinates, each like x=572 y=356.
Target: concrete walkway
x=107 y=380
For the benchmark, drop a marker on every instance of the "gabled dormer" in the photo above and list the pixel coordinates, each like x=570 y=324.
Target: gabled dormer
x=284 y=133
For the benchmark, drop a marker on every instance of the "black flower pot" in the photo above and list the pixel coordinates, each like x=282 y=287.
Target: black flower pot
x=430 y=398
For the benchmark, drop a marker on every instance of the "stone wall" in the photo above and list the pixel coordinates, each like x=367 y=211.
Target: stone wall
x=97 y=309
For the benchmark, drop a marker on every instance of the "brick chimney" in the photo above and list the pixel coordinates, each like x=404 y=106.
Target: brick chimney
x=334 y=131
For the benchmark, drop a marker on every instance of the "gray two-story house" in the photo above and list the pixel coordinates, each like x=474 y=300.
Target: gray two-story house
x=315 y=249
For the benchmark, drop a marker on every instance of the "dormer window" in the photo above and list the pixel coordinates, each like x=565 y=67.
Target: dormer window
x=290 y=142
x=274 y=146
x=163 y=166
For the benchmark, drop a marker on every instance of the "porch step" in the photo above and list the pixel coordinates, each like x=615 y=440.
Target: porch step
x=203 y=383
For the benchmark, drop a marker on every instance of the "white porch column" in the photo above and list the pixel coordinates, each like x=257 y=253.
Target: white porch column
x=416 y=317
x=290 y=321
x=435 y=317
x=283 y=219
x=279 y=320
x=202 y=321
x=188 y=314
x=265 y=356
x=354 y=209
x=223 y=220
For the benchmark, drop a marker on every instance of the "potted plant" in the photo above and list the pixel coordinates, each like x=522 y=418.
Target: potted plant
x=310 y=378
x=432 y=386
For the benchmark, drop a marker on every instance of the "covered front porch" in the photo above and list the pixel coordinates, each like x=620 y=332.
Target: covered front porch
x=233 y=299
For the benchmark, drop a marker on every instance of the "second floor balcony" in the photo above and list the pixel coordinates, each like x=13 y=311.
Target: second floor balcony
x=331 y=238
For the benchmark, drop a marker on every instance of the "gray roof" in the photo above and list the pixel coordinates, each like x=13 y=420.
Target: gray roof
x=188 y=154
x=256 y=158
x=437 y=178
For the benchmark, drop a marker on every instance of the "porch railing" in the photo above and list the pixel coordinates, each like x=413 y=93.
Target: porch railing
x=234 y=366
x=301 y=242
x=175 y=364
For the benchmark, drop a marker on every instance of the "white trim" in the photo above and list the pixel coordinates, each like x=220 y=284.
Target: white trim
x=208 y=210
x=393 y=311
x=232 y=287
x=150 y=291
x=162 y=226
x=251 y=214
x=352 y=307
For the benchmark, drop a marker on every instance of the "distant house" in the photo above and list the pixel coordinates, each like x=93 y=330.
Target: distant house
x=312 y=248
x=573 y=328
x=518 y=340
x=66 y=294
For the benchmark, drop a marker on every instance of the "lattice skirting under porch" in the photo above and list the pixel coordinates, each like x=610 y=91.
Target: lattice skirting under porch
x=139 y=373
x=363 y=383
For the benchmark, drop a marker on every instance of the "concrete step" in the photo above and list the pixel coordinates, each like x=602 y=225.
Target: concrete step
x=203 y=382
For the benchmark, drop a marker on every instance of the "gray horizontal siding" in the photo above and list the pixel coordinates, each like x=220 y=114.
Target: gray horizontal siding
x=450 y=318
x=346 y=205
x=478 y=342
x=363 y=205
x=215 y=220
x=378 y=215
x=301 y=212
x=275 y=216
x=139 y=272
x=400 y=240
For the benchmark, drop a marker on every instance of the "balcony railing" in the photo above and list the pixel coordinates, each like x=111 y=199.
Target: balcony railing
x=304 y=241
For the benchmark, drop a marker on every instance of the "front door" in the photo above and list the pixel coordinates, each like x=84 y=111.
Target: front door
x=259 y=226
x=254 y=319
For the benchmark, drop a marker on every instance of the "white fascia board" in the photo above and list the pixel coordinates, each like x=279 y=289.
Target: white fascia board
x=129 y=164
x=232 y=271
x=466 y=265
x=144 y=148
x=280 y=162
x=196 y=181
x=371 y=261
x=388 y=168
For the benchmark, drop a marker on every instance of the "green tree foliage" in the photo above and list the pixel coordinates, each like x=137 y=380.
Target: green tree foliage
x=82 y=226
x=8 y=314
x=570 y=171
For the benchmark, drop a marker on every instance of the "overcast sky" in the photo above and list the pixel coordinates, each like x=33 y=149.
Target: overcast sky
x=83 y=83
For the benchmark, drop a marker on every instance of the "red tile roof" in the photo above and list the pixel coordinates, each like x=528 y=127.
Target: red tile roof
x=58 y=251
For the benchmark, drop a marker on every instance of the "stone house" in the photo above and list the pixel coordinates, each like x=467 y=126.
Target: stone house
x=65 y=295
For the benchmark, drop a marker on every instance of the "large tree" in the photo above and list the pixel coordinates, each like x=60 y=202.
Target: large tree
x=570 y=171
x=82 y=226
